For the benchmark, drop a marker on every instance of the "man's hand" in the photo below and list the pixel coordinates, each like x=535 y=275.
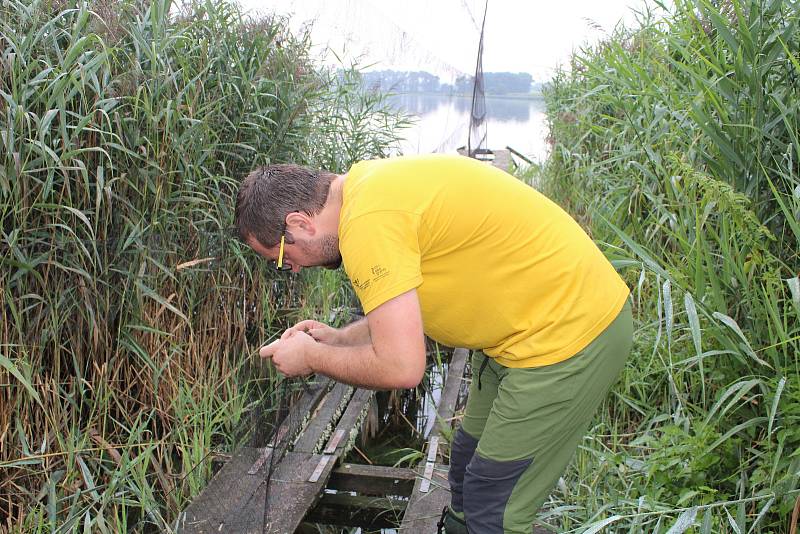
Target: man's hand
x=290 y=353
x=317 y=330
x=385 y=350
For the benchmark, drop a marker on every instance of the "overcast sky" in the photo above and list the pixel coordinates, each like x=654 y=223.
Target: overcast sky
x=441 y=36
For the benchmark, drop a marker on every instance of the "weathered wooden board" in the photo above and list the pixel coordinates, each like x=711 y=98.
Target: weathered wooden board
x=221 y=499
x=323 y=419
x=342 y=509
x=425 y=509
x=290 y=497
x=232 y=485
x=373 y=479
x=452 y=387
x=500 y=158
x=349 y=425
x=431 y=491
x=298 y=484
x=279 y=512
x=238 y=499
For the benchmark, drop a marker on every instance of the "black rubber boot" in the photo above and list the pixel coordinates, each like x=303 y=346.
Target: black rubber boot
x=451 y=524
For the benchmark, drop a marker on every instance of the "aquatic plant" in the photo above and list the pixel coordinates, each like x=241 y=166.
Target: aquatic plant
x=130 y=316
x=676 y=143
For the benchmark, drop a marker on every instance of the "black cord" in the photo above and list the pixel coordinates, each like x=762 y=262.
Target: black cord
x=272 y=463
x=147 y=511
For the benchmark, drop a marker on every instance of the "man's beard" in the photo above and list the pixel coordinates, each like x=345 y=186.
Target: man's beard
x=330 y=257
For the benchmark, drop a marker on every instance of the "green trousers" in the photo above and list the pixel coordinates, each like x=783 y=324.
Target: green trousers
x=522 y=426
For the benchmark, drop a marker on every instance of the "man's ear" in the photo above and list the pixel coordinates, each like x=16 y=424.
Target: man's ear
x=300 y=224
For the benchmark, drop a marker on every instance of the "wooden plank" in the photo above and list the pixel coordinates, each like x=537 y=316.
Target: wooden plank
x=290 y=494
x=430 y=461
x=373 y=479
x=425 y=507
x=520 y=155
x=323 y=419
x=502 y=160
x=232 y=485
x=215 y=506
x=452 y=387
x=352 y=419
x=271 y=453
x=238 y=502
x=342 y=509
x=289 y=500
x=499 y=158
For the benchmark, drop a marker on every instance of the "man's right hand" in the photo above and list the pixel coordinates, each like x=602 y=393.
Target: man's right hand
x=317 y=330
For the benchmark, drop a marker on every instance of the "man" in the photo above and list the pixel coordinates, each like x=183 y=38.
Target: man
x=461 y=251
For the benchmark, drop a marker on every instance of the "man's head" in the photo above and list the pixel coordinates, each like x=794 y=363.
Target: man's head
x=289 y=201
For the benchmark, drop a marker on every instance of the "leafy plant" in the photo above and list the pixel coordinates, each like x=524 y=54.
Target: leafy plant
x=675 y=144
x=131 y=318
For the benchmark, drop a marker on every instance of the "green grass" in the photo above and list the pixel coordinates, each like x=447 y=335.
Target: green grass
x=676 y=144
x=131 y=318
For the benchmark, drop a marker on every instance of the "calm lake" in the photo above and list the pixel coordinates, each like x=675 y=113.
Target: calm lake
x=442 y=124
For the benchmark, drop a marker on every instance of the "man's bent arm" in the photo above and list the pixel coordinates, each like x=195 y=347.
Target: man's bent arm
x=393 y=356
x=355 y=333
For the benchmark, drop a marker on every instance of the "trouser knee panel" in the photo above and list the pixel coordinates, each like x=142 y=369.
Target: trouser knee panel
x=487 y=488
x=461 y=451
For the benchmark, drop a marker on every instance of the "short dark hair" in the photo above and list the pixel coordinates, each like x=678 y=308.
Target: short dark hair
x=271 y=192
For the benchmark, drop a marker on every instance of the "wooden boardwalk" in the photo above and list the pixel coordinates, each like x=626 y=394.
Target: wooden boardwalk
x=299 y=481
x=431 y=491
x=500 y=158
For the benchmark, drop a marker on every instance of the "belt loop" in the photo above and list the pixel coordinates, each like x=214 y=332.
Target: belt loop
x=484 y=363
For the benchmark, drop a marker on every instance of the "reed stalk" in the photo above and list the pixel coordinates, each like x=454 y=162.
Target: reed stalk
x=676 y=143
x=131 y=318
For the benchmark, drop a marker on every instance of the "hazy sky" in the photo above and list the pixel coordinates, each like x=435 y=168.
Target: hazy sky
x=441 y=36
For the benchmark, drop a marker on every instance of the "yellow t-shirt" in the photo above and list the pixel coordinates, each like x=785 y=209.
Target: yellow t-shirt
x=497 y=265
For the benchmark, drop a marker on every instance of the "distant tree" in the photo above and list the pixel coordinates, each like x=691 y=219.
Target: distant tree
x=428 y=82
x=464 y=84
x=502 y=83
x=496 y=83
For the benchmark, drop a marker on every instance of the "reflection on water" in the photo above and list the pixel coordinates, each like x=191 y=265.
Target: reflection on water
x=443 y=123
x=501 y=109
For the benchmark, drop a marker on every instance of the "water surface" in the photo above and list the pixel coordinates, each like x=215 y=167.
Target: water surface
x=442 y=123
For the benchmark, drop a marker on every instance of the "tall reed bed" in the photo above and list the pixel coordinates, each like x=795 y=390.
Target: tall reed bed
x=130 y=316
x=676 y=142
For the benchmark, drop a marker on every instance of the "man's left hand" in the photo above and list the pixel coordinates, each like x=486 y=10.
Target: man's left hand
x=291 y=355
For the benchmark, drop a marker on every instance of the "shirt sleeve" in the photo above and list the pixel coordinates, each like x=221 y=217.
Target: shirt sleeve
x=381 y=256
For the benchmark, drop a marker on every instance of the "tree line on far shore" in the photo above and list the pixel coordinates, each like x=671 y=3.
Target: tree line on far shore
x=495 y=83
